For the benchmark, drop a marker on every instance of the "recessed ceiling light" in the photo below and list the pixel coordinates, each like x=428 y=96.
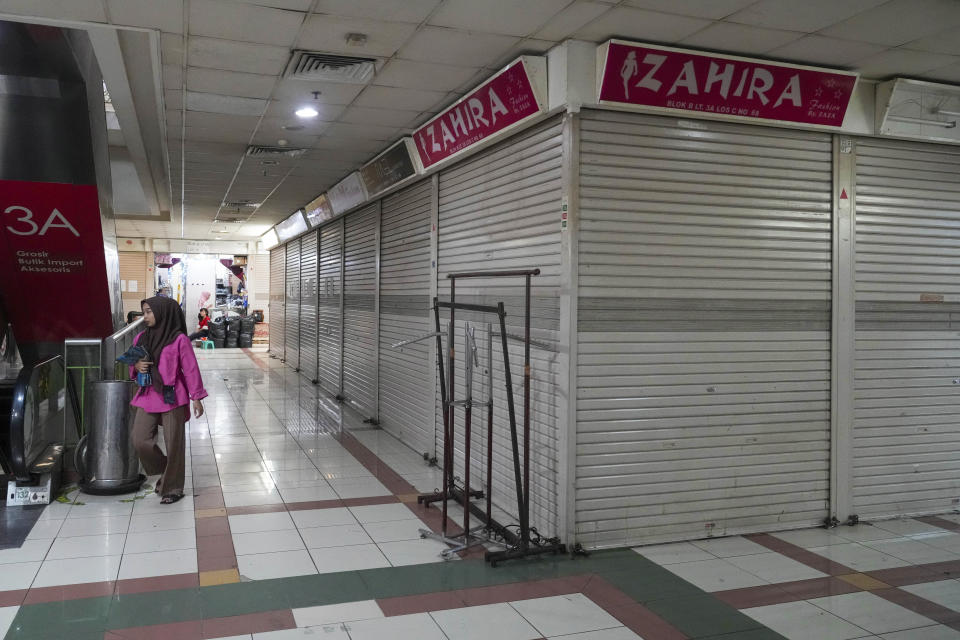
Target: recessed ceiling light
x=307 y=112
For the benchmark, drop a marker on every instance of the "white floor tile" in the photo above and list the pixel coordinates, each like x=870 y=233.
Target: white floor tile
x=73 y=527
x=499 y=621
x=418 y=626
x=267 y=542
x=946 y=593
x=327 y=632
x=334 y=613
x=774 y=567
x=251 y=498
x=87 y=546
x=395 y=530
x=871 y=612
x=715 y=575
x=673 y=553
x=77 y=570
x=323 y=517
x=251 y=522
x=162 y=521
x=807 y=538
x=152 y=504
x=18 y=575
x=804 y=621
x=730 y=547
x=29 y=551
x=912 y=551
x=45 y=529
x=358 y=487
x=382 y=512
x=308 y=494
x=617 y=633
x=905 y=526
x=168 y=540
x=573 y=613
x=158 y=563
x=353 y=558
x=281 y=564
x=7 y=614
x=299 y=478
x=859 y=557
x=55 y=511
x=863 y=533
x=335 y=536
x=406 y=552
x=936 y=632
x=112 y=509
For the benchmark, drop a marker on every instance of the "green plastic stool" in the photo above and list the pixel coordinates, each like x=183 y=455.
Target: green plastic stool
x=207 y=344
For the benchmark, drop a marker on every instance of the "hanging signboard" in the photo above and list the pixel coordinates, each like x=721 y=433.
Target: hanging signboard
x=347 y=193
x=502 y=103
x=655 y=78
x=292 y=226
x=390 y=168
x=270 y=239
x=318 y=211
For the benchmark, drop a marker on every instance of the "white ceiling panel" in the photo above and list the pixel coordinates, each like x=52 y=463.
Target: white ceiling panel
x=568 y=21
x=87 y=10
x=359 y=146
x=423 y=75
x=244 y=22
x=638 y=24
x=229 y=83
x=949 y=73
x=903 y=62
x=232 y=105
x=220 y=120
x=165 y=15
x=172 y=99
x=332 y=93
x=725 y=36
x=362 y=131
x=329 y=33
x=507 y=17
x=899 y=22
x=807 y=16
x=293 y=5
x=830 y=52
x=210 y=134
x=395 y=97
x=171 y=49
x=714 y=9
x=237 y=56
x=944 y=42
x=172 y=75
x=415 y=11
x=450 y=46
x=383 y=117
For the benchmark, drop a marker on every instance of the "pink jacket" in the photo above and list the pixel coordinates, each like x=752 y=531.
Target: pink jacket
x=177 y=366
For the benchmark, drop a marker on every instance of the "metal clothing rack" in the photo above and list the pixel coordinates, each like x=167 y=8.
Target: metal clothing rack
x=518 y=545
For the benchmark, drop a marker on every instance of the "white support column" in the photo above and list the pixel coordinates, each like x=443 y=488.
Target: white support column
x=343 y=289
x=376 y=313
x=843 y=336
x=569 y=285
x=434 y=258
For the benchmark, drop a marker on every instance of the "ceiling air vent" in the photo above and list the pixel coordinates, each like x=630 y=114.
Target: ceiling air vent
x=326 y=67
x=274 y=152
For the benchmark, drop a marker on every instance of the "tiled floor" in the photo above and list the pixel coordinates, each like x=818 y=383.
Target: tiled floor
x=298 y=524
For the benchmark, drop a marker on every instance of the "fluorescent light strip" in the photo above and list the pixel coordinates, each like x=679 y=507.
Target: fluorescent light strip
x=944 y=112
x=933 y=123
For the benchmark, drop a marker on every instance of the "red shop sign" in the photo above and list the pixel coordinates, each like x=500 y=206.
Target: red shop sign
x=678 y=80
x=52 y=264
x=503 y=102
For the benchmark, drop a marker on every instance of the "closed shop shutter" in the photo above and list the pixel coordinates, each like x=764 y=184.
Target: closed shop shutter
x=308 y=306
x=406 y=374
x=292 y=306
x=330 y=317
x=133 y=273
x=499 y=210
x=278 y=266
x=905 y=436
x=704 y=329
x=359 y=310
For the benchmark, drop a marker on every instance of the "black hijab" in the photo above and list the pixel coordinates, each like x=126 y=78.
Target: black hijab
x=169 y=323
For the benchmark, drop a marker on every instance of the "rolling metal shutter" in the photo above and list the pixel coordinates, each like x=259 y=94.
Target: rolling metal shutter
x=905 y=437
x=330 y=315
x=406 y=374
x=278 y=265
x=704 y=329
x=500 y=210
x=308 y=306
x=360 y=310
x=292 y=320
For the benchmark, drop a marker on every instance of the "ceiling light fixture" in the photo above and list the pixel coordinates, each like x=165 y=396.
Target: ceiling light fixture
x=944 y=112
x=933 y=123
x=307 y=112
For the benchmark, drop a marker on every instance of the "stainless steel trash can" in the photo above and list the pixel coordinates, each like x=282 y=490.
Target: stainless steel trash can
x=105 y=457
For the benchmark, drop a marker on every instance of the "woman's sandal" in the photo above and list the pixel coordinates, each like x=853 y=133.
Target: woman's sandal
x=171 y=498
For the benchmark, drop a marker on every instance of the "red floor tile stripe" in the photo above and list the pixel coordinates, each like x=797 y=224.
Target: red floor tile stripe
x=943 y=523
x=922 y=606
x=809 y=558
x=70 y=592
x=157 y=583
x=785 y=592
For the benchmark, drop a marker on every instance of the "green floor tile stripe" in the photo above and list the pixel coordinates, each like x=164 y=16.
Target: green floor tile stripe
x=696 y=613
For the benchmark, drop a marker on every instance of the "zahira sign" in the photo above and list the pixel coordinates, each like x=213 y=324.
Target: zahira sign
x=509 y=98
x=678 y=80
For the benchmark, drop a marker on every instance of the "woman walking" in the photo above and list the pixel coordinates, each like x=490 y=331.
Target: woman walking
x=174 y=382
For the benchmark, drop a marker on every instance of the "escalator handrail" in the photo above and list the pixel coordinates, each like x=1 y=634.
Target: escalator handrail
x=20 y=465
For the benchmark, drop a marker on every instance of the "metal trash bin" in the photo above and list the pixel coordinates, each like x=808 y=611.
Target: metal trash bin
x=105 y=457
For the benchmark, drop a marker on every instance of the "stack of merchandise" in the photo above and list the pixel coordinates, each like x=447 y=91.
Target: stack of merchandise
x=218 y=333
x=247 y=326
